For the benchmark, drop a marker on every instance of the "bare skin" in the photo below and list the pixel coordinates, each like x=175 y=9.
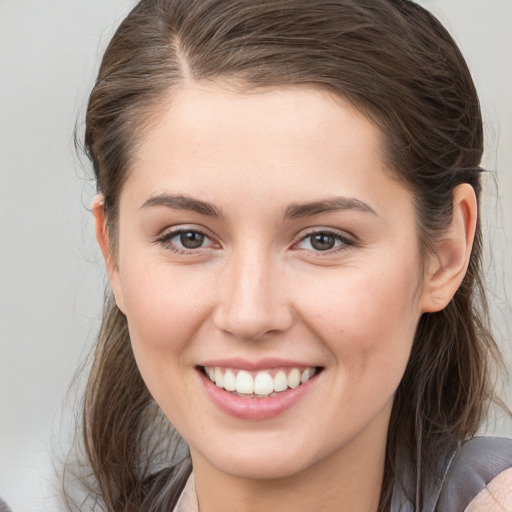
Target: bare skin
x=496 y=497
x=267 y=225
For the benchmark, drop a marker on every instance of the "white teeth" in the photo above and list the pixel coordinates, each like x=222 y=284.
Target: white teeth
x=294 y=378
x=262 y=385
x=229 y=383
x=219 y=378
x=244 y=383
x=280 y=381
x=307 y=374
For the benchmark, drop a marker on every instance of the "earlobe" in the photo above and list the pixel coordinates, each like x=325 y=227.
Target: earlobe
x=449 y=265
x=102 y=236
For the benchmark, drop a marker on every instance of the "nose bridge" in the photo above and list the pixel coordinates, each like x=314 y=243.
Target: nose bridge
x=252 y=301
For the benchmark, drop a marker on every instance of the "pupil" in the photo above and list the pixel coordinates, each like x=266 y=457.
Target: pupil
x=322 y=242
x=191 y=239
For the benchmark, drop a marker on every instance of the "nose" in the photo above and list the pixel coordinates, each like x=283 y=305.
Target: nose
x=253 y=301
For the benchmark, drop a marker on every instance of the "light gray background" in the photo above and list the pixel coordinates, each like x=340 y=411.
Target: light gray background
x=51 y=276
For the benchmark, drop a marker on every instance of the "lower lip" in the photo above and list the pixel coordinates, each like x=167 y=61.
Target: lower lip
x=255 y=408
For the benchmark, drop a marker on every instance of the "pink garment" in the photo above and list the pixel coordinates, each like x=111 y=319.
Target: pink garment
x=188 y=498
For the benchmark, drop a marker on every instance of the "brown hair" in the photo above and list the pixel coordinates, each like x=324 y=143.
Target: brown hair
x=393 y=61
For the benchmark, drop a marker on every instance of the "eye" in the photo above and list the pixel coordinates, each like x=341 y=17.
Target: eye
x=191 y=239
x=323 y=241
x=185 y=240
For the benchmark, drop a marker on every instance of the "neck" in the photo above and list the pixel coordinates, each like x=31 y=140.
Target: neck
x=348 y=480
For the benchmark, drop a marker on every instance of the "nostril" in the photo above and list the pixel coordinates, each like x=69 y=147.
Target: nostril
x=252 y=300
x=253 y=326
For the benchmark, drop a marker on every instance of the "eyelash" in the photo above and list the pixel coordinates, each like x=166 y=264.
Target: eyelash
x=344 y=241
x=166 y=240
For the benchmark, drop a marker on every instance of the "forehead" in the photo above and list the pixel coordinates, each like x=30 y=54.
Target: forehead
x=299 y=142
x=304 y=113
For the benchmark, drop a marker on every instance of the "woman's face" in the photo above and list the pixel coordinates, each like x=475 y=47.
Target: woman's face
x=263 y=240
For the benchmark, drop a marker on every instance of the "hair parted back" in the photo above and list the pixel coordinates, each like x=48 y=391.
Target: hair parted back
x=395 y=63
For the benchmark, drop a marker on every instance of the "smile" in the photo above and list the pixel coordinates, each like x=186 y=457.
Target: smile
x=261 y=384
x=260 y=393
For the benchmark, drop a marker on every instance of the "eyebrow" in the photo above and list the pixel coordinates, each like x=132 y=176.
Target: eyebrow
x=298 y=210
x=293 y=211
x=182 y=202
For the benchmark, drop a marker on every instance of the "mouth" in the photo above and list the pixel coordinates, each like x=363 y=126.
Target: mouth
x=260 y=384
x=258 y=391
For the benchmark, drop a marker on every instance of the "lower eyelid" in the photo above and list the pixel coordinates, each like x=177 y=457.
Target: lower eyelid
x=341 y=241
x=166 y=241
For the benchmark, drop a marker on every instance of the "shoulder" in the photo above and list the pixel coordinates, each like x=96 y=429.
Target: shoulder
x=3 y=506
x=496 y=496
x=479 y=475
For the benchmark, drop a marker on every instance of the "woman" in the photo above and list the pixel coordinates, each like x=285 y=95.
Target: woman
x=288 y=210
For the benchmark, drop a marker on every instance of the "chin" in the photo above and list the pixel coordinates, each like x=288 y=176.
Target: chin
x=258 y=468
x=263 y=460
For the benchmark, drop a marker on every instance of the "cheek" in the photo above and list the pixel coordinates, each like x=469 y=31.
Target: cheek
x=367 y=318
x=164 y=313
x=165 y=309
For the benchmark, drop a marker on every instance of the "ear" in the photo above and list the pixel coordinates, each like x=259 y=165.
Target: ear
x=102 y=236
x=449 y=265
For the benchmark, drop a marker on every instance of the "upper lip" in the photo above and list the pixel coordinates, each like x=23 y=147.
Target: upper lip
x=260 y=364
